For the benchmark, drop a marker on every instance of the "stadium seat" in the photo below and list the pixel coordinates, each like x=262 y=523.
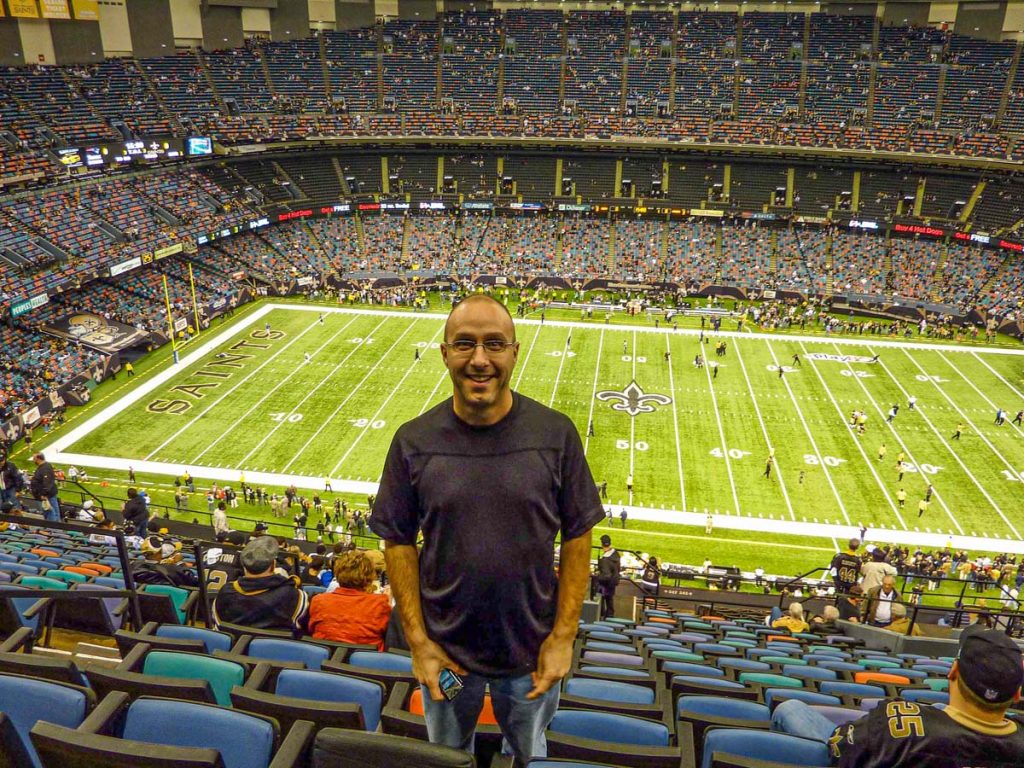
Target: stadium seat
x=339 y=748
x=24 y=701
x=773 y=696
x=187 y=734
x=720 y=743
x=706 y=712
x=328 y=700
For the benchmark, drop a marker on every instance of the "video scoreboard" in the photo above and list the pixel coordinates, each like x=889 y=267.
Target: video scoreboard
x=136 y=152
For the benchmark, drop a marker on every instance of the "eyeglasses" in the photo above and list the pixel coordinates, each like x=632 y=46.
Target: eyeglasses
x=467 y=347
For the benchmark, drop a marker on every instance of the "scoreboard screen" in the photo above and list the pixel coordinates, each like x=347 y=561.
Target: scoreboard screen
x=136 y=152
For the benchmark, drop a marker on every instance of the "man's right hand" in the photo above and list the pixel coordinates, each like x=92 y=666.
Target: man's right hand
x=428 y=659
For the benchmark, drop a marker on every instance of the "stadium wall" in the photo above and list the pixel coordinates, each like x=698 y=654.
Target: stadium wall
x=222 y=28
x=151 y=29
x=11 y=52
x=982 y=20
x=290 y=20
x=906 y=14
x=353 y=14
x=76 y=42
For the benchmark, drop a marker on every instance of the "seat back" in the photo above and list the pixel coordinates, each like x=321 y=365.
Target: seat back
x=177 y=595
x=244 y=740
x=25 y=701
x=388 y=662
x=219 y=673
x=622 y=693
x=339 y=748
x=605 y=726
x=211 y=639
x=288 y=650
x=759 y=744
x=327 y=687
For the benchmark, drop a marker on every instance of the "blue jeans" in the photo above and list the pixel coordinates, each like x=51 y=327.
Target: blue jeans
x=797 y=719
x=53 y=513
x=522 y=722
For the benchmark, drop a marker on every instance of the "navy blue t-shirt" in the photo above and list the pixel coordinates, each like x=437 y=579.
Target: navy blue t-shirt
x=489 y=501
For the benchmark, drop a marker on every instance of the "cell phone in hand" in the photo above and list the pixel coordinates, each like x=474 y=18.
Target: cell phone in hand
x=450 y=684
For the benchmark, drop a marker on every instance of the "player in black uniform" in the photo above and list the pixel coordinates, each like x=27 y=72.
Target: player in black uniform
x=971 y=732
x=846 y=568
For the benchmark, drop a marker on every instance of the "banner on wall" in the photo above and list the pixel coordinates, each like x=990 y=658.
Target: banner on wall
x=2 y=11
x=86 y=10
x=95 y=331
x=23 y=9
x=55 y=9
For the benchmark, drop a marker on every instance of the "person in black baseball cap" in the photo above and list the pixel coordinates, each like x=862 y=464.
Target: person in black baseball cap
x=971 y=732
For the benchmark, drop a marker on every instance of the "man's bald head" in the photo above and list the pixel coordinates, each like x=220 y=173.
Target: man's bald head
x=474 y=300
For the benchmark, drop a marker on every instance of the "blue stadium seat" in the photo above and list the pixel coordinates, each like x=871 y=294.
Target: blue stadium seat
x=780 y=747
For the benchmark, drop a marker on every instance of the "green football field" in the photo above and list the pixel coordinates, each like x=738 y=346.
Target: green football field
x=692 y=440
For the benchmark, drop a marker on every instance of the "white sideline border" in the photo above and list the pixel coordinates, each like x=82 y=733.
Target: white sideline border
x=58 y=450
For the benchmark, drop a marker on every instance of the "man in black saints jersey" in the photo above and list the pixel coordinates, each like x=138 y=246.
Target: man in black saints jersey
x=971 y=732
x=846 y=568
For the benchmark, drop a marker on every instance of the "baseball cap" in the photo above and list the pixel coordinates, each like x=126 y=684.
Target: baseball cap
x=260 y=526
x=606 y=540
x=990 y=664
x=259 y=554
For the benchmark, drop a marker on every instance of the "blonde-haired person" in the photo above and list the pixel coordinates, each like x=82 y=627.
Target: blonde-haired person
x=352 y=612
x=794 y=622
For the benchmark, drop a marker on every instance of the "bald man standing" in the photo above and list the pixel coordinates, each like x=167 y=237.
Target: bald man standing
x=490 y=478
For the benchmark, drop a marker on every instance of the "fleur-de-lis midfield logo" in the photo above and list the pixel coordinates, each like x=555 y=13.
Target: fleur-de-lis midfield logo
x=633 y=400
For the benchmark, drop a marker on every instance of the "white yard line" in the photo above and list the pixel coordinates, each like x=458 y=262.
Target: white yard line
x=632 y=424
x=397 y=388
x=593 y=394
x=526 y=360
x=882 y=414
x=810 y=436
x=230 y=390
x=268 y=393
x=155 y=382
x=443 y=377
x=348 y=397
x=860 y=447
x=295 y=409
x=1013 y=426
x=721 y=434
x=977 y=431
x=821 y=530
x=764 y=431
x=999 y=376
x=675 y=420
x=561 y=363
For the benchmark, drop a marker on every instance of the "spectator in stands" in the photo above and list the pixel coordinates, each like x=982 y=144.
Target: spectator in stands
x=352 y=612
x=876 y=570
x=849 y=605
x=44 y=488
x=262 y=597
x=972 y=730
x=483 y=599
x=99 y=537
x=11 y=480
x=846 y=567
x=901 y=622
x=136 y=513
x=608 y=564
x=794 y=621
x=220 y=520
x=87 y=513
x=163 y=564
x=826 y=623
x=878 y=611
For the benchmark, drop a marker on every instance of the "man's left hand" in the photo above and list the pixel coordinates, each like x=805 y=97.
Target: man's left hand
x=553 y=664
